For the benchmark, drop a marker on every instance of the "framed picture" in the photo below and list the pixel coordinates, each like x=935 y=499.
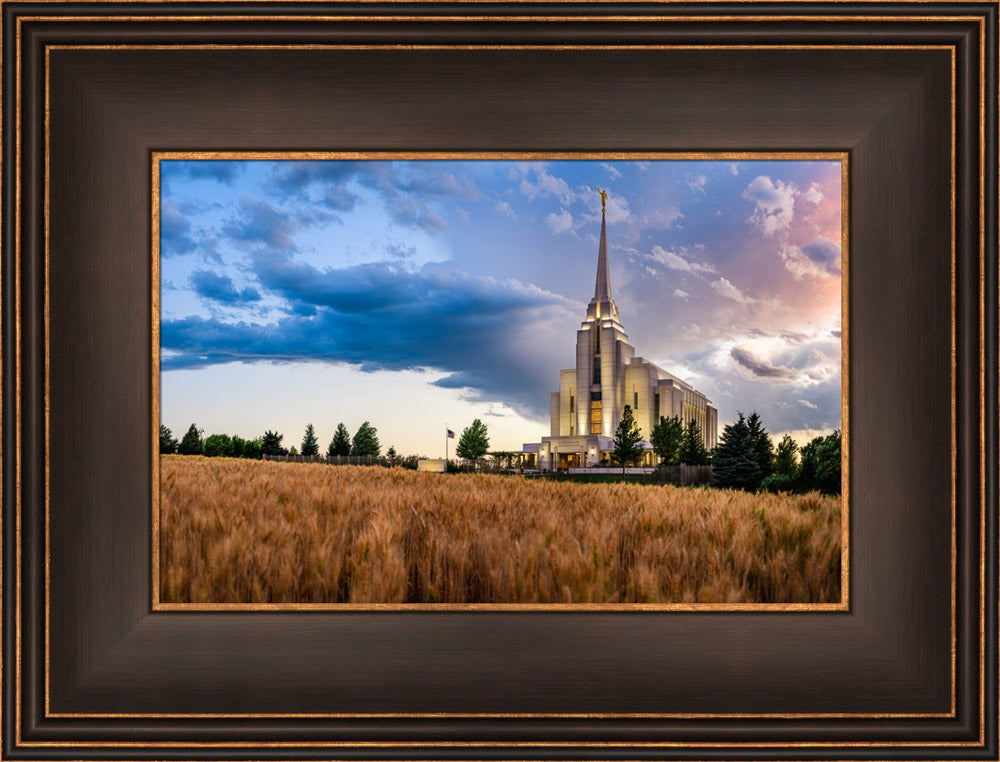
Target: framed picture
x=95 y=666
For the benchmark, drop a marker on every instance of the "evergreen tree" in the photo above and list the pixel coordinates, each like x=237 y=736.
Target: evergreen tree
x=341 y=442
x=391 y=455
x=474 y=442
x=191 y=443
x=693 y=451
x=310 y=445
x=735 y=461
x=627 y=448
x=365 y=441
x=168 y=443
x=218 y=445
x=762 y=446
x=666 y=438
x=270 y=444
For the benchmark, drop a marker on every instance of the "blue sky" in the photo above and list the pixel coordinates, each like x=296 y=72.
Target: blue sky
x=416 y=295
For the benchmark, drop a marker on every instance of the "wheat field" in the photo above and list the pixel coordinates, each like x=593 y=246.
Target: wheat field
x=246 y=531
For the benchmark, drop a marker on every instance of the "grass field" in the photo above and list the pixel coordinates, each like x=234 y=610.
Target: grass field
x=246 y=531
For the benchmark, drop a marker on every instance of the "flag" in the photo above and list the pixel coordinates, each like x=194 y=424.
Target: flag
x=451 y=434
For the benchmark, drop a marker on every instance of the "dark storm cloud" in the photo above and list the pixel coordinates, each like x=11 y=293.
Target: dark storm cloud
x=220 y=170
x=175 y=229
x=259 y=222
x=824 y=253
x=383 y=318
x=761 y=367
x=404 y=187
x=210 y=285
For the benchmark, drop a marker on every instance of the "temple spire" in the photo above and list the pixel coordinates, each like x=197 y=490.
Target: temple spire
x=602 y=305
x=602 y=288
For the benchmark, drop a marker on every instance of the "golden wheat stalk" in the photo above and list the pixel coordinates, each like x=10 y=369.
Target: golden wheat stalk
x=244 y=531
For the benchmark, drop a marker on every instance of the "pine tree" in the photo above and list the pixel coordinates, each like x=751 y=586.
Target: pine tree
x=168 y=443
x=627 y=449
x=191 y=443
x=310 y=445
x=762 y=446
x=341 y=442
x=666 y=438
x=365 y=441
x=474 y=442
x=693 y=451
x=270 y=444
x=735 y=461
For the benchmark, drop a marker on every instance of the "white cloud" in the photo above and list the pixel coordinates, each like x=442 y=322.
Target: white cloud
x=814 y=195
x=674 y=261
x=818 y=258
x=536 y=182
x=734 y=170
x=561 y=222
x=775 y=203
x=618 y=209
x=612 y=170
x=724 y=288
x=808 y=404
x=697 y=184
x=506 y=209
x=681 y=293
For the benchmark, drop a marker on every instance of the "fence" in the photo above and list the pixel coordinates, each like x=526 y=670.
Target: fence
x=695 y=475
x=337 y=460
x=681 y=475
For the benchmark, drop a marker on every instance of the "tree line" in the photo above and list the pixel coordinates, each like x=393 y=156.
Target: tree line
x=364 y=442
x=744 y=458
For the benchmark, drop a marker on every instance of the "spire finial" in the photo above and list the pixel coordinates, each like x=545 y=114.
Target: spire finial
x=604 y=198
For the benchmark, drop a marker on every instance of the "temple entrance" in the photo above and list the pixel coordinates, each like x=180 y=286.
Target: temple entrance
x=569 y=460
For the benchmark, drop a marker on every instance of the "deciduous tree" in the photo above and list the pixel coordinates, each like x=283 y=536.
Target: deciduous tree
x=218 y=445
x=666 y=438
x=786 y=461
x=820 y=469
x=474 y=442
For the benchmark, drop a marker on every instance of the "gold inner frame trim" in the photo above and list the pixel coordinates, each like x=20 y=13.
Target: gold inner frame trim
x=18 y=438
x=839 y=156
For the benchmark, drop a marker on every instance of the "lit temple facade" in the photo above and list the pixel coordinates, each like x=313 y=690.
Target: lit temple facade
x=586 y=410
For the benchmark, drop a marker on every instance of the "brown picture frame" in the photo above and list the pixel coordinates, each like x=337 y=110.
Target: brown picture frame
x=91 y=90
